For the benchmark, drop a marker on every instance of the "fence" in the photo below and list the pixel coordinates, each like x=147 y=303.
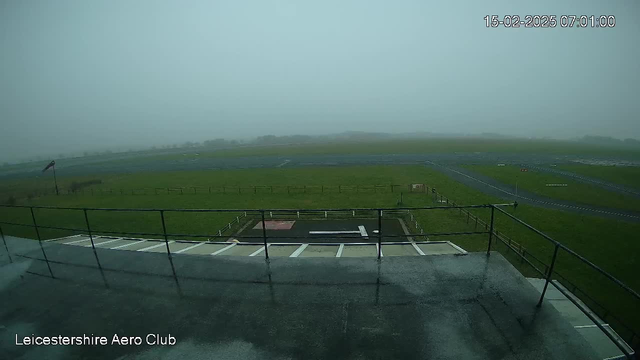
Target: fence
x=252 y=189
x=546 y=270
x=262 y=214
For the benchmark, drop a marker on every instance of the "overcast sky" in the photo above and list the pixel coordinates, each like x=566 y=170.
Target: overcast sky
x=84 y=74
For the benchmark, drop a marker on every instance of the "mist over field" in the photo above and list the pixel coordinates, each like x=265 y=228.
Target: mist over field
x=81 y=76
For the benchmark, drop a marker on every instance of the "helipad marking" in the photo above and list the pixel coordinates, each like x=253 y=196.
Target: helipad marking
x=155 y=246
x=189 y=248
x=363 y=231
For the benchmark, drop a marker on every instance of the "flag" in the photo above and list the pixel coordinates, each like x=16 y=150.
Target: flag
x=52 y=163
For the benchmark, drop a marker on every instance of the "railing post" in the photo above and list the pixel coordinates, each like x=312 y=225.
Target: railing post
x=5 y=244
x=491 y=229
x=164 y=231
x=379 y=234
x=35 y=225
x=86 y=220
x=549 y=274
x=264 y=236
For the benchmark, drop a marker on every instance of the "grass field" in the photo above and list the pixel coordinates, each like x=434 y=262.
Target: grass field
x=622 y=175
x=576 y=191
x=418 y=146
x=606 y=242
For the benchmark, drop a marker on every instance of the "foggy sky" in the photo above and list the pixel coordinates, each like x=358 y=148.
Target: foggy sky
x=78 y=75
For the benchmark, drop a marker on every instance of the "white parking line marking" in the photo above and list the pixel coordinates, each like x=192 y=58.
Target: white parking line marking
x=155 y=246
x=189 y=248
x=75 y=242
x=415 y=246
x=259 y=251
x=127 y=245
x=299 y=250
x=223 y=249
x=339 y=253
x=64 y=237
x=104 y=242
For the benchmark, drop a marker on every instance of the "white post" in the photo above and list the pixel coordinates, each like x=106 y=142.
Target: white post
x=325 y=214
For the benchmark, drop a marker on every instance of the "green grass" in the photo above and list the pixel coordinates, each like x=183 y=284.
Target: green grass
x=575 y=191
x=623 y=175
x=606 y=242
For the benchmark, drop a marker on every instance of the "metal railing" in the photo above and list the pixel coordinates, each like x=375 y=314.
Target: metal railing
x=547 y=270
x=232 y=189
x=378 y=213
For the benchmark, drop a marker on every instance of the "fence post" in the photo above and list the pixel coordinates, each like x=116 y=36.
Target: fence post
x=35 y=225
x=164 y=231
x=254 y=190
x=323 y=189
x=491 y=229
x=181 y=191
x=5 y=245
x=379 y=234
x=339 y=188
x=549 y=274
x=194 y=190
x=209 y=189
x=95 y=253
x=264 y=237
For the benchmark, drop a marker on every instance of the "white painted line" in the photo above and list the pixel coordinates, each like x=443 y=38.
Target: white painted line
x=63 y=238
x=189 y=248
x=417 y=248
x=104 y=242
x=259 y=251
x=463 y=251
x=363 y=231
x=283 y=164
x=588 y=326
x=75 y=242
x=334 y=232
x=155 y=246
x=127 y=245
x=339 y=253
x=299 y=250
x=223 y=249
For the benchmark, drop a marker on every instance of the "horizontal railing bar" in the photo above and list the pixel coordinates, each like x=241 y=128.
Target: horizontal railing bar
x=252 y=210
x=593 y=318
x=580 y=257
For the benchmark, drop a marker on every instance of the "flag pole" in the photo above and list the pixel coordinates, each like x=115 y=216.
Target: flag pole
x=55 y=179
